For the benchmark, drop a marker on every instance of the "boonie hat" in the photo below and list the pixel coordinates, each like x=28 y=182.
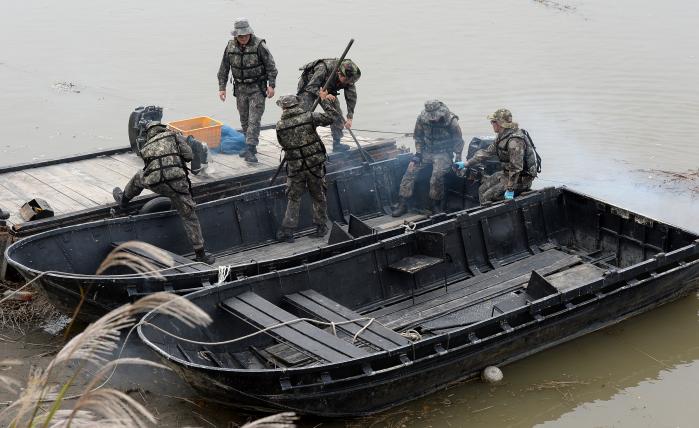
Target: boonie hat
x=241 y=27
x=435 y=110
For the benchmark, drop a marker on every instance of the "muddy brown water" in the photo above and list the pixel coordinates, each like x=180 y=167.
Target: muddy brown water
x=607 y=89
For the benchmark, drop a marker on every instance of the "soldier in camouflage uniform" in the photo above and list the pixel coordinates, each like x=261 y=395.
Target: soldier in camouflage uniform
x=254 y=74
x=165 y=173
x=305 y=156
x=313 y=77
x=517 y=154
x=438 y=143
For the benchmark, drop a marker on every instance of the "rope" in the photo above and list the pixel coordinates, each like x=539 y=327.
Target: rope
x=412 y=335
x=409 y=227
x=223 y=272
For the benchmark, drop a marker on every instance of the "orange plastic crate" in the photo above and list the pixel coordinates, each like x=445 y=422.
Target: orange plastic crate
x=203 y=128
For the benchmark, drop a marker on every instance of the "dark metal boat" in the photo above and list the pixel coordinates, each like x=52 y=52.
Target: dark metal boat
x=240 y=230
x=374 y=327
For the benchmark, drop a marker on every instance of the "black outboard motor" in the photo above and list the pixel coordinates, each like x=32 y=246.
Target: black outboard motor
x=138 y=120
x=489 y=166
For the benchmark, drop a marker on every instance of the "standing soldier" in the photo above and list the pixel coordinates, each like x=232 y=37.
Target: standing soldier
x=254 y=75
x=313 y=77
x=305 y=155
x=518 y=157
x=437 y=139
x=165 y=173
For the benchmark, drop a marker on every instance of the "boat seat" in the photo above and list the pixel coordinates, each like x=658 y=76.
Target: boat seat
x=302 y=335
x=325 y=309
x=430 y=252
x=178 y=259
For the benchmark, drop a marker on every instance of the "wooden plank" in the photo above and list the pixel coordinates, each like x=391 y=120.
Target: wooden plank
x=328 y=310
x=467 y=297
x=32 y=188
x=78 y=186
x=575 y=276
x=303 y=335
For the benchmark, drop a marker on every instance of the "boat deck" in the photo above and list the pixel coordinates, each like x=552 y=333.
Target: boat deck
x=78 y=185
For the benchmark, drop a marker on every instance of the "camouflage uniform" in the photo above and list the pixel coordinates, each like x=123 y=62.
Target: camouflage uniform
x=252 y=68
x=165 y=174
x=313 y=77
x=305 y=156
x=518 y=158
x=437 y=139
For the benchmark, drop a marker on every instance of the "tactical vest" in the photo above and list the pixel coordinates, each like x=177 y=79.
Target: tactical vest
x=246 y=65
x=162 y=158
x=307 y=72
x=439 y=137
x=303 y=148
x=532 y=161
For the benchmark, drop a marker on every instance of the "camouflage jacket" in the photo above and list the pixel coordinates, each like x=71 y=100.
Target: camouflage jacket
x=247 y=64
x=442 y=136
x=514 y=153
x=296 y=133
x=315 y=74
x=165 y=159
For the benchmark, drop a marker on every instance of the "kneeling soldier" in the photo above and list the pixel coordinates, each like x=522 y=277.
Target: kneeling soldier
x=305 y=163
x=165 y=173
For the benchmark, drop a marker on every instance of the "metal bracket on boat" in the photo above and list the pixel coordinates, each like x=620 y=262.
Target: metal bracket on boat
x=405 y=360
x=285 y=383
x=473 y=338
x=325 y=377
x=439 y=349
x=366 y=368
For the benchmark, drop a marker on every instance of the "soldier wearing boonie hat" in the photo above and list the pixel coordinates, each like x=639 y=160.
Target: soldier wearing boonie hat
x=253 y=74
x=305 y=158
x=517 y=154
x=313 y=77
x=438 y=143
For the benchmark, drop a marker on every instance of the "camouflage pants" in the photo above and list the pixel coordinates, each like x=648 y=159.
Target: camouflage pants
x=181 y=199
x=441 y=164
x=493 y=187
x=330 y=107
x=251 y=105
x=295 y=186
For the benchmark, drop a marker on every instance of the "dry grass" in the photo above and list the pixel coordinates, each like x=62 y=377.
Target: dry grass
x=18 y=315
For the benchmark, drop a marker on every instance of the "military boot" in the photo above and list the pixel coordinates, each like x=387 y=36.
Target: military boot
x=321 y=230
x=401 y=208
x=339 y=147
x=118 y=195
x=250 y=154
x=285 y=234
x=201 y=255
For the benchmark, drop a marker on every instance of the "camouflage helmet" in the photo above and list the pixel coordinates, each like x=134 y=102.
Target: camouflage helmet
x=349 y=70
x=288 y=101
x=241 y=27
x=503 y=117
x=435 y=110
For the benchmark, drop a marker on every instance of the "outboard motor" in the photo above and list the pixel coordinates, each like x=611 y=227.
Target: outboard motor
x=489 y=166
x=137 y=124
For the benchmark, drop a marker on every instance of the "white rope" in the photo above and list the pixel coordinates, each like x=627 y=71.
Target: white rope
x=264 y=330
x=412 y=335
x=409 y=226
x=223 y=272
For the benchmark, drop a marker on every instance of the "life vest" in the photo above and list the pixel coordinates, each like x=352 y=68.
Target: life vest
x=308 y=69
x=246 y=65
x=163 y=161
x=439 y=137
x=532 y=160
x=303 y=148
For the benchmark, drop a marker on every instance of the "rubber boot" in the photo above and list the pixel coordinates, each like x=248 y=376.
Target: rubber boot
x=401 y=208
x=321 y=230
x=118 y=195
x=339 y=147
x=201 y=255
x=285 y=234
x=250 y=154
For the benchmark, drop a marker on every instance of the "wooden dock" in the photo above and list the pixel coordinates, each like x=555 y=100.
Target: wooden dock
x=84 y=184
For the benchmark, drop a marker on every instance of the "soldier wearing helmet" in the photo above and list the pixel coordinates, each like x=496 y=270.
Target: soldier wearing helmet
x=165 y=173
x=305 y=155
x=313 y=77
x=254 y=74
x=438 y=143
x=517 y=154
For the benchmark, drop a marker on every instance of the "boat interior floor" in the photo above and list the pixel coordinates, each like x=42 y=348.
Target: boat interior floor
x=338 y=333
x=272 y=250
